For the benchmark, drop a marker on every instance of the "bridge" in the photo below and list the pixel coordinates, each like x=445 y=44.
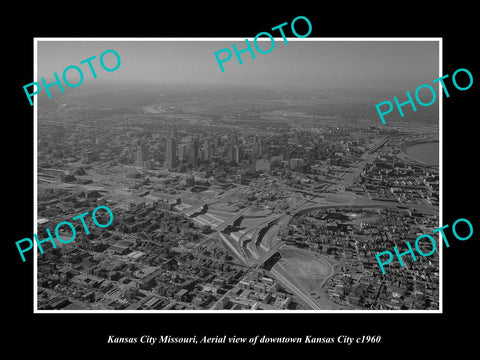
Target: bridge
x=256 y=244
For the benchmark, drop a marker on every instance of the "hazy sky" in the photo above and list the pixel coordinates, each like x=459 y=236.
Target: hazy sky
x=317 y=64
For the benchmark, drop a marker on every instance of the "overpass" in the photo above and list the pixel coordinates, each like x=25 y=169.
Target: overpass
x=254 y=246
x=261 y=246
x=232 y=219
x=272 y=251
x=233 y=249
x=377 y=146
x=262 y=241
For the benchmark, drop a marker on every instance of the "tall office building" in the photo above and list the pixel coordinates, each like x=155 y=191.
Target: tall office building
x=193 y=152
x=205 y=152
x=171 y=154
x=142 y=152
x=237 y=154
x=173 y=132
x=230 y=152
x=257 y=147
x=182 y=151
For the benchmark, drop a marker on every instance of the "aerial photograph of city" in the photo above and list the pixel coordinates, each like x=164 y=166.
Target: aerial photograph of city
x=270 y=186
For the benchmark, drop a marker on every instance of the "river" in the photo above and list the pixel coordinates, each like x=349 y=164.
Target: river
x=426 y=152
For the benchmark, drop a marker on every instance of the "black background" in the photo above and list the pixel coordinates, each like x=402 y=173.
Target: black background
x=62 y=335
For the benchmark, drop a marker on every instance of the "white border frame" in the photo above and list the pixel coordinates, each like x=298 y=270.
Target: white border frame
x=240 y=312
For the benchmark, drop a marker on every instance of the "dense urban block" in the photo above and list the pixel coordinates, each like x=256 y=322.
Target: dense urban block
x=275 y=201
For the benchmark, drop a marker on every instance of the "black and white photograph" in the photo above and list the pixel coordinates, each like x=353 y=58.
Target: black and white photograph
x=212 y=181
x=271 y=186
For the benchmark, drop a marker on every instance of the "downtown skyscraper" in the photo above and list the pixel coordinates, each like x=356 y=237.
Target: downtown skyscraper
x=171 y=149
